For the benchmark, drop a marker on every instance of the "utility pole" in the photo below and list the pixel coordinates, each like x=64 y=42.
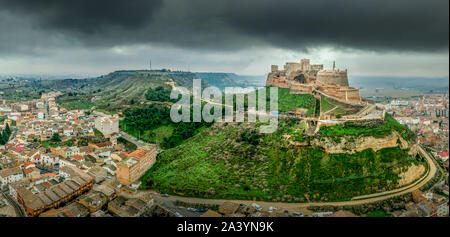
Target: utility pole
x=150 y=64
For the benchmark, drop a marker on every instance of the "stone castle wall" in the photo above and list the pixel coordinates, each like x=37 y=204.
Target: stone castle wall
x=335 y=77
x=341 y=93
x=312 y=77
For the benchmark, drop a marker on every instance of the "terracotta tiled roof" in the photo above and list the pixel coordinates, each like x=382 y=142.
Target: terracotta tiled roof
x=138 y=153
x=77 y=157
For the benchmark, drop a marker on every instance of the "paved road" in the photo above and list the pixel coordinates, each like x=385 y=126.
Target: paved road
x=302 y=207
x=139 y=143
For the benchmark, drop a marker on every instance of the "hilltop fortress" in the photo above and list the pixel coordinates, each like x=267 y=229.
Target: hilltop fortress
x=306 y=78
x=338 y=102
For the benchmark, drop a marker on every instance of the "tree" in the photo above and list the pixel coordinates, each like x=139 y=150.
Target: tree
x=2 y=140
x=5 y=136
x=55 y=137
x=7 y=129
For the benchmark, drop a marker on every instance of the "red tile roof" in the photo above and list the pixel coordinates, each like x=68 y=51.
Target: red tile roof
x=138 y=153
x=443 y=154
x=18 y=149
x=77 y=157
x=29 y=163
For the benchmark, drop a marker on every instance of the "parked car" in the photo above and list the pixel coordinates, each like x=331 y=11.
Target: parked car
x=257 y=207
x=178 y=214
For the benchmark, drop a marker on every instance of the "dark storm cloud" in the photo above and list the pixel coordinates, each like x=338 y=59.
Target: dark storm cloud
x=86 y=16
x=400 y=25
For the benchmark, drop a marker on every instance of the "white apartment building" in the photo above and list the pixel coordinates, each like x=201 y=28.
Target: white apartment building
x=107 y=125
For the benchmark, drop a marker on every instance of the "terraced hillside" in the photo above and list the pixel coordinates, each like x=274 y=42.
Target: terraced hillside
x=129 y=87
x=118 y=90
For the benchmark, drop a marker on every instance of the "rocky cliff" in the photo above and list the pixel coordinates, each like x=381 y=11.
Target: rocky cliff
x=351 y=144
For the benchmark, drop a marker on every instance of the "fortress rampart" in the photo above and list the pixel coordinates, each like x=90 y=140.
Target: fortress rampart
x=335 y=77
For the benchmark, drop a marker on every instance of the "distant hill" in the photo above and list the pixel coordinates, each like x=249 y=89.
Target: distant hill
x=120 y=89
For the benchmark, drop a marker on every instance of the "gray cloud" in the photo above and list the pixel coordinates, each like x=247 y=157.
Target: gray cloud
x=401 y=25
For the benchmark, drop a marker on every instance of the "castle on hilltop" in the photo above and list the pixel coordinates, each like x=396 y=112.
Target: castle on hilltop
x=305 y=78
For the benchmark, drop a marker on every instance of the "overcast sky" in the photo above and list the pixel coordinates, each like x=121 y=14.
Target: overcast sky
x=377 y=37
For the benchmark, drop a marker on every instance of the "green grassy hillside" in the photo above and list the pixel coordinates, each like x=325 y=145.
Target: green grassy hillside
x=235 y=161
x=287 y=102
x=377 y=129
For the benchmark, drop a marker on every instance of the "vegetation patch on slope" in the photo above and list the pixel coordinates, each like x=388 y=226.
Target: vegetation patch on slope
x=153 y=124
x=235 y=161
x=287 y=101
x=75 y=100
x=375 y=128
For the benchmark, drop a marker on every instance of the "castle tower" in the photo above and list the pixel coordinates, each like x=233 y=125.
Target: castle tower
x=305 y=65
x=336 y=77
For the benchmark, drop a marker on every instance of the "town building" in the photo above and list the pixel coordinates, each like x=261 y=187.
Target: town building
x=132 y=168
x=107 y=125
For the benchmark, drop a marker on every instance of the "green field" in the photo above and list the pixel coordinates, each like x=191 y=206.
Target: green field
x=235 y=161
x=75 y=101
